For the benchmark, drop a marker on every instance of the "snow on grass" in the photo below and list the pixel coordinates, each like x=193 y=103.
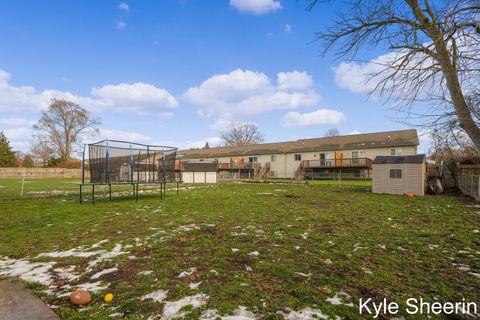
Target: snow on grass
x=88 y=286
x=38 y=272
x=67 y=273
x=157 y=296
x=184 y=274
x=106 y=255
x=304 y=314
x=305 y=275
x=145 y=273
x=241 y=313
x=194 y=286
x=340 y=298
x=103 y=272
x=172 y=309
x=254 y=253
x=235 y=250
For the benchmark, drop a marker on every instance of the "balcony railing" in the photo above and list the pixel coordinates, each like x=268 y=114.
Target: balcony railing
x=338 y=163
x=232 y=165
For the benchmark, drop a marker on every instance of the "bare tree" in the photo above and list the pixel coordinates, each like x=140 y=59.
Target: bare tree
x=332 y=132
x=242 y=134
x=61 y=127
x=435 y=53
x=41 y=150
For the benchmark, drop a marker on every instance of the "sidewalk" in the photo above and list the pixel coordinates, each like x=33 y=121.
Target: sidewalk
x=18 y=303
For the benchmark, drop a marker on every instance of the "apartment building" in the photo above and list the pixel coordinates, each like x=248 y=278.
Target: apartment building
x=340 y=157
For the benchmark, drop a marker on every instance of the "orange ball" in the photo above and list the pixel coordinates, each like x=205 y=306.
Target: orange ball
x=409 y=195
x=80 y=297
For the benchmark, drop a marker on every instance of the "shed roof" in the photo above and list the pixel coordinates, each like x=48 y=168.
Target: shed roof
x=417 y=158
x=346 y=142
x=204 y=166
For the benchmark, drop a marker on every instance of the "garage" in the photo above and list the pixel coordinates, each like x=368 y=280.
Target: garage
x=399 y=174
x=199 y=172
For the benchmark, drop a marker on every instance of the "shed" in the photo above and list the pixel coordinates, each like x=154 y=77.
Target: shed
x=199 y=171
x=399 y=174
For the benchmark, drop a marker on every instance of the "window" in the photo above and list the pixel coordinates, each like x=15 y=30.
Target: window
x=273 y=174
x=298 y=157
x=396 y=152
x=357 y=173
x=395 y=173
x=252 y=159
x=358 y=154
x=273 y=158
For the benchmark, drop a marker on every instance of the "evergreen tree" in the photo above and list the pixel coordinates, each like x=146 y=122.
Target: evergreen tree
x=7 y=156
x=206 y=145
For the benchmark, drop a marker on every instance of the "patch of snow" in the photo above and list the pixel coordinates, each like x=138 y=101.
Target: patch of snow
x=103 y=272
x=301 y=274
x=248 y=268
x=28 y=271
x=116 y=314
x=67 y=273
x=194 y=286
x=145 y=273
x=241 y=313
x=184 y=274
x=254 y=253
x=215 y=272
x=304 y=314
x=158 y=296
x=339 y=299
x=92 y=287
x=235 y=250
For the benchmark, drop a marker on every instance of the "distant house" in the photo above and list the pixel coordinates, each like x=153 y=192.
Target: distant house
x=399 y=174
x=340 y=157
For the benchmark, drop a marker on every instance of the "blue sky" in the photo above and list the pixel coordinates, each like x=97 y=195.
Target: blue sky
x=178 y=71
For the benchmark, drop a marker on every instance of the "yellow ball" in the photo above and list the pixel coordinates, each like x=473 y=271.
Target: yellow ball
x=108 y=297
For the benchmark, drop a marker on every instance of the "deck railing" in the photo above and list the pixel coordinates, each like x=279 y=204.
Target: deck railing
x=338 y=163
x=232 y=165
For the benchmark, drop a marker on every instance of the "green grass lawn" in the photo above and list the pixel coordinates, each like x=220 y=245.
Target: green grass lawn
x=275 y=249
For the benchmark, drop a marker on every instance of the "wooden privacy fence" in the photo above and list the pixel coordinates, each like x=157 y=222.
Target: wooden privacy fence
x=469 y=185
x=33 y=173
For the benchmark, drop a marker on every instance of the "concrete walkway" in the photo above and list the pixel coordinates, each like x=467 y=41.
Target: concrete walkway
x=18 y=303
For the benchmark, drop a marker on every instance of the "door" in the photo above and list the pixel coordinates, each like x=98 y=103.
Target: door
x=322 y=157
x=338 y=159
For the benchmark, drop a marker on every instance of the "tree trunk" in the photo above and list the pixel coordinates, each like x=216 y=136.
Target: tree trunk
x=454 y=88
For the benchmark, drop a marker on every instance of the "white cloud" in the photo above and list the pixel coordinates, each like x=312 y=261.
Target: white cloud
x=287 y=28
x=355 y=132
x=138 y=97
x=318 y=117
x=19 y=137
x=256 y=6
x=224 y=124
x=120 y=24
x=121 y=135
x=243 y=93
x=294 y=80
x=16 y=122
x=212 y=142
x=123 y=6
x=221 y=124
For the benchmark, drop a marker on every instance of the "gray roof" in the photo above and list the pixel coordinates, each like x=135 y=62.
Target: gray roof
x=199 y=166
x=398 y=138
x=417 y=158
